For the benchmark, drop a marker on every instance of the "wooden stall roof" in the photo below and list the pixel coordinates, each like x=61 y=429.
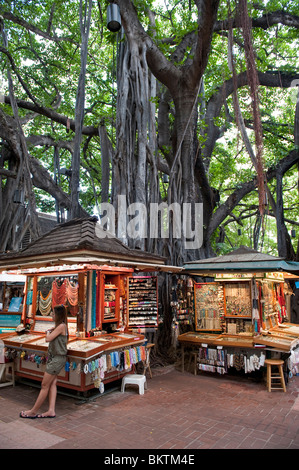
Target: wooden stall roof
x=243 y=259
x=81 y=240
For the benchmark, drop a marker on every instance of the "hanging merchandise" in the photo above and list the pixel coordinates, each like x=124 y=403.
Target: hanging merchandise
x=45 y=303
x=93 y=299
x=44 y=296
x=255 y=307
x=293 y=363
x=59 y=292
x=212 y=360
x=182 y=301
x=281 y=303
x=72 y=288
x=249 y=362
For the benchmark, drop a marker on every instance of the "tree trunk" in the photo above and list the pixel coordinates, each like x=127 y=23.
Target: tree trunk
x=79 y=111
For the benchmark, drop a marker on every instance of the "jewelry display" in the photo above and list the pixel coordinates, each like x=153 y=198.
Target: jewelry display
x=209 y=308
x=143 y=301
x=59 y=292
x=110 y=302
x=212 y=360
x=45 y=304
x=238 y=299
x=182 y=301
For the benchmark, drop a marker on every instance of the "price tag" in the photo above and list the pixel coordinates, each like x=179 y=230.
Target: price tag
x=219 y=347
x=204 y=345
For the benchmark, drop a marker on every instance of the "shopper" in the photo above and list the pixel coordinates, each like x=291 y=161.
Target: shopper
x=57 y=351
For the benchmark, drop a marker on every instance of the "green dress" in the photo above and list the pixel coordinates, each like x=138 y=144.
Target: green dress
x=57 y=352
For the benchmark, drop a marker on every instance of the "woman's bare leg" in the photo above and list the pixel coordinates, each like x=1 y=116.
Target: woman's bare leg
x=52 y=398
x=45 y=387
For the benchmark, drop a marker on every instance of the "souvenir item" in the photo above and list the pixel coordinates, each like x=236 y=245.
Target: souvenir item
x=143 y=301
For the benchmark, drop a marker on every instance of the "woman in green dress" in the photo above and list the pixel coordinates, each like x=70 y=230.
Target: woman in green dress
x=57 y=353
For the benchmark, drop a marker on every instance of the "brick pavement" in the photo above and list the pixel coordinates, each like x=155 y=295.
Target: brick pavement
x=178 y=411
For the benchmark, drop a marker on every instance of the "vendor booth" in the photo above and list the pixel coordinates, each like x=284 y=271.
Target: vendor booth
x=237 y=312
x=11 y=294
x=111 y=298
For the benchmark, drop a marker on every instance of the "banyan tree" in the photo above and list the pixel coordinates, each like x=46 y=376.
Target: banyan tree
x=189 y=104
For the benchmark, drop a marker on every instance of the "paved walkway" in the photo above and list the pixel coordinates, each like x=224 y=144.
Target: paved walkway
x=177 y=411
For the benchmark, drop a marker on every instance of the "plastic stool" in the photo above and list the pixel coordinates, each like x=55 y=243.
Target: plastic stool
x=137 y=379
x=272 y=377
x=3 y=369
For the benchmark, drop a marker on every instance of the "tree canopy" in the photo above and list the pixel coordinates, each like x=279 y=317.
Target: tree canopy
x=189 y=102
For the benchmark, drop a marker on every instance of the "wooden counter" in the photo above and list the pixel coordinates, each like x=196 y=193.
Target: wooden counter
x=31 y=353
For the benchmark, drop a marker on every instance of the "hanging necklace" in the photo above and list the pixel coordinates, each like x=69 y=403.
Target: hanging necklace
x=45 y=303
x=59 y=293
x=72 y=293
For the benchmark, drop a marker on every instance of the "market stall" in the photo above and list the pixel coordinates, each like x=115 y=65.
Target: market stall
x=239 y=315
x=11 y=301
x=92 y=275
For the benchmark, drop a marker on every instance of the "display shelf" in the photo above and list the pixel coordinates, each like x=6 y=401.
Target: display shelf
x=283 y=334
x=85 y=348
x=235 y=340
x=108 y=298
x=238 y=299
x=143 y=301
x=196 y=338
x=41 y=325
x=118 y=340
x=209 y=306
x=39 y=344
x=276 y=342
x=212 y=360
x=110 y=294
x=20 y=340
x=288 y=328
x=238 y=325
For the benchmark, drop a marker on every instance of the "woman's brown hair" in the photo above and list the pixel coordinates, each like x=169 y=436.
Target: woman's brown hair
x=60 y=315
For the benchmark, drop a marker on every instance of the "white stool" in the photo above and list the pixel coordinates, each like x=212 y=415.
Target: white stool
x=3 y=369
x=137 y=379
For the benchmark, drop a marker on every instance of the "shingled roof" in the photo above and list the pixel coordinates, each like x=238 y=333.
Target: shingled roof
x=79 y=236
x=243 y=259
x=241 y=254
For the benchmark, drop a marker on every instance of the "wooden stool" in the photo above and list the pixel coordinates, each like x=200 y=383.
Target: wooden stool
x=273 y=377
x=148 y=348
x=193 y=356
x=3 y=369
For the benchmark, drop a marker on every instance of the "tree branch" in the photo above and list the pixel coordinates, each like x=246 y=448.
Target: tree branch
x=54 y=116
x=265 y=21
x=245 y=188
x=7 y=15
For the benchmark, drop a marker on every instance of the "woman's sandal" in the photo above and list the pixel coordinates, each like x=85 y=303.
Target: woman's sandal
x=23 y=415
x=47 y=416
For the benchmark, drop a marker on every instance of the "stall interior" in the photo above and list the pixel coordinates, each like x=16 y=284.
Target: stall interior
x=235 y=304
x=102 y=306
x=95 y=300
x=243 y=315
x=11 y=305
